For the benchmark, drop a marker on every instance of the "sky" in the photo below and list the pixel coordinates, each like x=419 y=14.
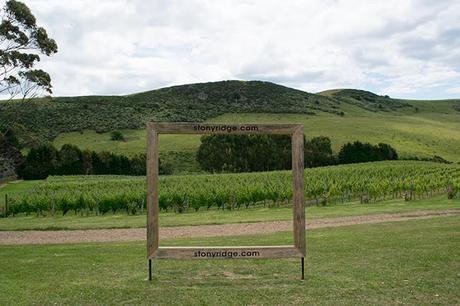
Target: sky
x=406 y=49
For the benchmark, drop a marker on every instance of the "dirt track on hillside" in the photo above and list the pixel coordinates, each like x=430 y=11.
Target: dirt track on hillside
x=235 y=229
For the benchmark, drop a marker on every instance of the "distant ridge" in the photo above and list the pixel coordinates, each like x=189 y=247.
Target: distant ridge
x=366 y=99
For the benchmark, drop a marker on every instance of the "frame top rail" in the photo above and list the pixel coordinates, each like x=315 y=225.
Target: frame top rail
x=222 y=128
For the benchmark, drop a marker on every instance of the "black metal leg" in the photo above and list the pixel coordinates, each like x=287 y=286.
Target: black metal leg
x=150 y=269
x=303 y=267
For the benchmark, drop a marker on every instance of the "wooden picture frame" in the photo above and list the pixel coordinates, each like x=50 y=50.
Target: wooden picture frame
x=154 y=251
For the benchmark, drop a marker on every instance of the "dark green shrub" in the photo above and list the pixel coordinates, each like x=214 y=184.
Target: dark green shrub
x=358 y=152
x=117 y=136
x=39 y=163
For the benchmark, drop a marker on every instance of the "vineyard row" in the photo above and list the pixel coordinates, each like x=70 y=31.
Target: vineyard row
x=367 y=181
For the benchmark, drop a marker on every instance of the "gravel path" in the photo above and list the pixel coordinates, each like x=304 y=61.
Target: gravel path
x=235 y=229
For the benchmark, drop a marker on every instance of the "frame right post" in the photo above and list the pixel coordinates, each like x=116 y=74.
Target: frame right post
x=298 y=196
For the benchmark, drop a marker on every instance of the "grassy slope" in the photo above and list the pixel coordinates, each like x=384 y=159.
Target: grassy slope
x=413 y=262
x=71 y=221
x=424 y=134
x=434 y=130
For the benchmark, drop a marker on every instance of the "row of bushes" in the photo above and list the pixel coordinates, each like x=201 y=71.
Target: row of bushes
x=250 y=153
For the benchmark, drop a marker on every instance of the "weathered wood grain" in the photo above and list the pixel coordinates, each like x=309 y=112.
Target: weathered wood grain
x=298 y=196
x=222 y=128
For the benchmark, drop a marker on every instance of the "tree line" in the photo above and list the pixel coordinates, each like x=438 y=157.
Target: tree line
x=45 y=160
x=248 y=153
x=217 y=153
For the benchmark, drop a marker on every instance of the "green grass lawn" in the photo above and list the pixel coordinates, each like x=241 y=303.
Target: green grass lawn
x=412 y=262
x=71 y=221
x=434 y=130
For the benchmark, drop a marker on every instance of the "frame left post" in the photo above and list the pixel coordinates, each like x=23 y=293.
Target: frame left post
x=152 y=194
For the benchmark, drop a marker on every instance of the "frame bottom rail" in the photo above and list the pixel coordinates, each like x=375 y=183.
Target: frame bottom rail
x=227 y=252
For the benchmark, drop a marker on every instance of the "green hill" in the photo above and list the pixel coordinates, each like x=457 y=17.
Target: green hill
x=49 y=117
x=415 y=128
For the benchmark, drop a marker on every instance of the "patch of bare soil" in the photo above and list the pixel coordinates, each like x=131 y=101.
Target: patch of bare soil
x=234 y=229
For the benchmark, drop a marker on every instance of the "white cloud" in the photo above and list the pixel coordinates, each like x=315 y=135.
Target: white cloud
x=454 y=90
x=403 y=48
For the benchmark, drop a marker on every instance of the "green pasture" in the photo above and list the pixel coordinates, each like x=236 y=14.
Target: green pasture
x=433 y=130
x=424 y=134
x=135 y=142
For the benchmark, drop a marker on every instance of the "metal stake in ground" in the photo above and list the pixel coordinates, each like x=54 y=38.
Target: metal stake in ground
x=302 y=260
x=150 y=269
